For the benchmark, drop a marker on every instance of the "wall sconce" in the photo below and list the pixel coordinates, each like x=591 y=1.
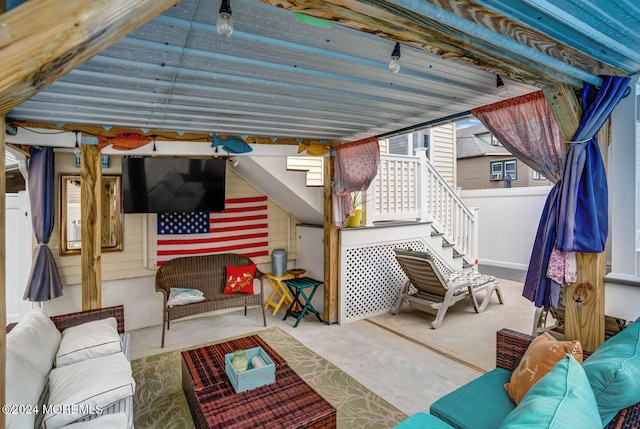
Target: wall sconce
x=501 y=89
x=394 y=64
x=224 y=23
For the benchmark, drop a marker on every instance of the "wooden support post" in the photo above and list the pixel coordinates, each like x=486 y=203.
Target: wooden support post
x=584 y=299
x=3 y=270
x=91 y=241
x=331 y=248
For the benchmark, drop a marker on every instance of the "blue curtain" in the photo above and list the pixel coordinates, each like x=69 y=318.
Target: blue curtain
x=576 y=212
x=43 y=283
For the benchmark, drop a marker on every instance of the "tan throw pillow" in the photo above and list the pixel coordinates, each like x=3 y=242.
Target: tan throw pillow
x=541 y=356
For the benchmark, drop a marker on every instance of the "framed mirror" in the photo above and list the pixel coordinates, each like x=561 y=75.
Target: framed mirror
x=71 y=219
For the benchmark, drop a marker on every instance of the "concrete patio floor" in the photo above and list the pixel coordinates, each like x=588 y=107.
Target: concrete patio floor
x=400 y=358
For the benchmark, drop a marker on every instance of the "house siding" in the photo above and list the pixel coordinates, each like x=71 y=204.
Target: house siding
x=129 y=263
x=474 y=173
x=443 y=152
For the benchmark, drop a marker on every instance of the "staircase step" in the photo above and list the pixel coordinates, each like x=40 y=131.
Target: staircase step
x=458 y=255
x=467 y=265
x=437 y=234
x=444 y=244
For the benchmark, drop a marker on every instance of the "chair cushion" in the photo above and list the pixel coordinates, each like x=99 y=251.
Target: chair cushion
x=541 y=356
x=561 y=399
x=87 y=387
x=613 y=371
x=36 y=339
x=26 y=384
x=480 y=404
x=239 y=279
x=457 y=278
x=89 y=340
x=422 y=420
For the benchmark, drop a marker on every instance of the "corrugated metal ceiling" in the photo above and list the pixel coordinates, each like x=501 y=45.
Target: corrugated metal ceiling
x=277 y=76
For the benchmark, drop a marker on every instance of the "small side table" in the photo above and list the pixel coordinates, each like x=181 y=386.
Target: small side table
x=297 y=287
x=280 y=294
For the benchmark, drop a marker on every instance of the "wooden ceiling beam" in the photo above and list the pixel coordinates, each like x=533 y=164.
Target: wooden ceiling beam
x=41 y=41
x=388 y=19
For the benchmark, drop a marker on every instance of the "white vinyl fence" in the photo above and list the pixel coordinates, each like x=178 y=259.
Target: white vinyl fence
x=507 y=224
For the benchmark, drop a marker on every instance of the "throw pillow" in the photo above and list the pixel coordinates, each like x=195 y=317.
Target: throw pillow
x=36 y=339
x=106 y=421
x=182 y=296
x=87 y=387
x=239 y=279
x=89 y=340
x=613 y=371
x=541 y=355
x=561 y=399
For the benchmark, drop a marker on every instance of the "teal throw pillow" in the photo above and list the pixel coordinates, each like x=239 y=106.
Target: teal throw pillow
x=559 y=400
x=613 y=371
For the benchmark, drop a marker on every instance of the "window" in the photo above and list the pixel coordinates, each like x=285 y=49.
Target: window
x=427 y=145
x=398 y=145
x=501 y=170
x=538 y=176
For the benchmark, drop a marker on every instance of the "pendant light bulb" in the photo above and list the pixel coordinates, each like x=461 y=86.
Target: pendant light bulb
x=154 y=152
x=394 y=64
x=76 y=149
x=224 y=23
x=501 y=89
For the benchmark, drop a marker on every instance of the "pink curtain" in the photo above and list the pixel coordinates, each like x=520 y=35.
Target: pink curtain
x=356 y=165
x=525 y=126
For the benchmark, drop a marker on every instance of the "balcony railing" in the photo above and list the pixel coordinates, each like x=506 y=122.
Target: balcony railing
x=410 y=188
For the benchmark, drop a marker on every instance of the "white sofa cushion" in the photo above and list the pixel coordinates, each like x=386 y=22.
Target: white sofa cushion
x=108 y=421
x=88 y=340
x=24 y=386
x=87 y=387
x=36 y=339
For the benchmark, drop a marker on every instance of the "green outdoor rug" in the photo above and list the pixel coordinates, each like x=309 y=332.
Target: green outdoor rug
x=159 y=401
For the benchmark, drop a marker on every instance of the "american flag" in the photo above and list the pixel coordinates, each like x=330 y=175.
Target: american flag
x=242 y=228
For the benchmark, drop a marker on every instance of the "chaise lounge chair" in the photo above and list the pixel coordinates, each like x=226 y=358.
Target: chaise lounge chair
x=555 y=323
x=438 y=288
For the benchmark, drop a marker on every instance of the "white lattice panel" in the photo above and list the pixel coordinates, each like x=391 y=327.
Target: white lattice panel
x=372 y=279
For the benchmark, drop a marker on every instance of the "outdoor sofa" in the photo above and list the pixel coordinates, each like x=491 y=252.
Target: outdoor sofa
x=208 y=275
x=69 y=371
x=561 y=399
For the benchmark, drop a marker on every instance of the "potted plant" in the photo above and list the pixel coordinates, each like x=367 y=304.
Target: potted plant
x=357 y=199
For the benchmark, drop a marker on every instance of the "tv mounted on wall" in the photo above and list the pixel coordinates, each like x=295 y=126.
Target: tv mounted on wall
x=169 y=185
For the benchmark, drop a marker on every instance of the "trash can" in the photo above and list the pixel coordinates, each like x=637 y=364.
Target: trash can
x=278 y=262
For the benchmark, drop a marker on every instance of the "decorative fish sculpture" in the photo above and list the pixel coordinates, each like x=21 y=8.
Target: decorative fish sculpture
x=231 y=144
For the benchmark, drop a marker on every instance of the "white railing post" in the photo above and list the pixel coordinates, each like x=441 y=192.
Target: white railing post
x=370 y=202
x=474 y=236
x=421 y=190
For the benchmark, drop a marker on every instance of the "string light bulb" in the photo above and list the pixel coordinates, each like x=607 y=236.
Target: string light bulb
x=394 y=64
x=76 y=148
x=501 y=89
x=154 y=151
x=224 y=23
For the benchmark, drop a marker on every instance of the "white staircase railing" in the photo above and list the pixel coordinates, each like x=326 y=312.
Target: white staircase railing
x=410 y=188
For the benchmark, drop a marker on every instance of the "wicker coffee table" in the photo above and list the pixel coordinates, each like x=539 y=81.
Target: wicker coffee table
x=287 y=403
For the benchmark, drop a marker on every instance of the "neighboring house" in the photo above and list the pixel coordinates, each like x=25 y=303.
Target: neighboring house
x=484 y=163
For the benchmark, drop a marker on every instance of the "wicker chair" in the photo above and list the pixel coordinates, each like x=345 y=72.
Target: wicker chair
x=437 y=288
x=205 y=273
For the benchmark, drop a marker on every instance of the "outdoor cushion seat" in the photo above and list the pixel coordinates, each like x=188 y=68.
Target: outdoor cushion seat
x=436 y=287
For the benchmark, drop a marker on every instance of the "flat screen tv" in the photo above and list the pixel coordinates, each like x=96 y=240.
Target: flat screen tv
x=169 y=185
